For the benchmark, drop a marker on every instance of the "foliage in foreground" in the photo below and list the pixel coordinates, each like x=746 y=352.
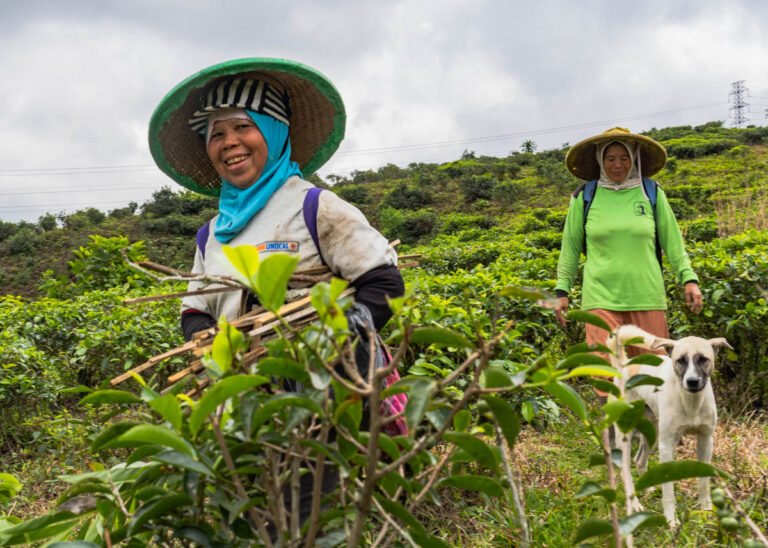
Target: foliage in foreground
x=226 y=470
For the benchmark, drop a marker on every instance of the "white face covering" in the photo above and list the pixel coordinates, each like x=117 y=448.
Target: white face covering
x=634 y=178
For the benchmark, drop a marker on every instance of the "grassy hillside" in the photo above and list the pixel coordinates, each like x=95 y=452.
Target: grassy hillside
x=482 y=226
x=715 y=178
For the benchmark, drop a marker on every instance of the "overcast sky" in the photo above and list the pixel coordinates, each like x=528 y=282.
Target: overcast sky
x=422 y=81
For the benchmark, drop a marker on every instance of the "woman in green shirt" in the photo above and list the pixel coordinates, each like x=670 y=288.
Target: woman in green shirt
x=625 y=229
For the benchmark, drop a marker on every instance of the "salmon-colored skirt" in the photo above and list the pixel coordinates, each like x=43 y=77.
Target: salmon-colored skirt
x=653 y=321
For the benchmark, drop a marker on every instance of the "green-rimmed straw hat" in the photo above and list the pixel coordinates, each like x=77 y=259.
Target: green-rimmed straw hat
x=313 y=106
x=581 y=159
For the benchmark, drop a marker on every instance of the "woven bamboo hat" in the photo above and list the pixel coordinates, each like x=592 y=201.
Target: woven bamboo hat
x=581 y=159
x=311 y=103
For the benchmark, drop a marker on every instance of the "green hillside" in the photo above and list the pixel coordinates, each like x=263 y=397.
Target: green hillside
x=488 y=232
x=715 y=179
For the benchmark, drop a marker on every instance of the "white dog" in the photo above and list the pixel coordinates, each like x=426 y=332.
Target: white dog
x=684 y=404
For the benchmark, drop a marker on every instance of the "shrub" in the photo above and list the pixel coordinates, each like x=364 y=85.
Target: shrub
x=26 y=240
x=696 y=147
x=508 y=192
x=477 y=187
x=356 y=194
x=405 y=196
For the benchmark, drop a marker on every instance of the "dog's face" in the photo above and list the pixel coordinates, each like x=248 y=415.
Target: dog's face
x=693 y=359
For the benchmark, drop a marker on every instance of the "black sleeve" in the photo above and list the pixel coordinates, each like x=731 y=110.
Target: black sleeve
x=192 y=322
x=373 y=288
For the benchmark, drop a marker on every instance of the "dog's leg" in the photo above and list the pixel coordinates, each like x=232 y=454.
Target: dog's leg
x=643 y=452
x=704 y=454
x=667 y=443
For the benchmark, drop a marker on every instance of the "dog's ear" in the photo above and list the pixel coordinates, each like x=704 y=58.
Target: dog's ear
x=660 y=342
x=718 y=342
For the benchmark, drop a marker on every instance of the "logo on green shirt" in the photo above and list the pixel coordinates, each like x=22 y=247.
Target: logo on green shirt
x=641 y=208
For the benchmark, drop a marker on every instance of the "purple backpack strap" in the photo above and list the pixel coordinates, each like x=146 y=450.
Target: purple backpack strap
x=202 y=237
x=311 y=202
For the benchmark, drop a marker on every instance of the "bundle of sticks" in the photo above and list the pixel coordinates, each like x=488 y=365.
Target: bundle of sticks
x=259 y=325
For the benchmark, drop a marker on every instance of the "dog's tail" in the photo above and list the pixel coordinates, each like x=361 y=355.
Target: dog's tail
x=626 y=333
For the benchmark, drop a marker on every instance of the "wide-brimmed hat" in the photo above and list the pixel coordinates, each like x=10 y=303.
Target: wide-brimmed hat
x=315 y=112
x=581 y=159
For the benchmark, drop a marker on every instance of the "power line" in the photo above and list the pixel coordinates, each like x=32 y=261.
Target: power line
x=87 y=189
x=87 y=170
x=78 y=205
x=535 y=133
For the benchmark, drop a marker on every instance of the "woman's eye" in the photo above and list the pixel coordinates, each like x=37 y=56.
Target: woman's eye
x=244 y=126
x=215 y=134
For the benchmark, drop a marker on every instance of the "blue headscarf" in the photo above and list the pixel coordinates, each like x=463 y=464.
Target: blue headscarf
x=237 y=206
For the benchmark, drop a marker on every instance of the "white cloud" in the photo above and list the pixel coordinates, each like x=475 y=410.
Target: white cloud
x=80 y=80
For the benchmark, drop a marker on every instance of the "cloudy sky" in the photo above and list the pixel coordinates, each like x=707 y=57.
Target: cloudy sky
x=422 y=80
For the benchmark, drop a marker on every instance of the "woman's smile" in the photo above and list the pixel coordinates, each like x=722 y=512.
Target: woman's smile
x=237 y=150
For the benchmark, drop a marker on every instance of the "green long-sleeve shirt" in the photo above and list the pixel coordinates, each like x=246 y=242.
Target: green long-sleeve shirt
x=621 y=271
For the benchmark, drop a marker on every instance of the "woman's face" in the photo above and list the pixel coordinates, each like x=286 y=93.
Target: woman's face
x=238 y=151
x=617 y=162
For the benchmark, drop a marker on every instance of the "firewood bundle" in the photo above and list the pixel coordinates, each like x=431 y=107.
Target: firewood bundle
x=259 y=325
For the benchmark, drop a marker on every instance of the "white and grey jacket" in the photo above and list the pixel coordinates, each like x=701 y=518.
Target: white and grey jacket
x=350 y=246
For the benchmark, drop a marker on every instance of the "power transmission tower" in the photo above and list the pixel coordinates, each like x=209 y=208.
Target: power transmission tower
x=738 y=98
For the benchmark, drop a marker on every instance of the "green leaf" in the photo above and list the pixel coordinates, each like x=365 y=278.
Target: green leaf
x=34 y=528
x=471 y=482
x=220 y=392
x=565 y=395
x=226 y=344
x=642 y=379
x=583 y=347
x=506 y=418
x=674 y=471
x=273 y=276
x=419 y=397
x=279 y=402
x=613 y=410
x=630 y=418
x=582 y=359
x=646 y=359
x=168 y=407
x=647 y=429
x=157 y=435
x=156 y=508
x=104 y=397
x=439 y=337
x=592 y=489
x=330 y=453
x=495 y=377
x=592 y=371
x=605 y=386
x=197 y=535
x=528 y=294
x=111 y=433
x=73 y=544
x=283 y=368
x=245 y=259
x=181 y=460
x=9 y=485
x=586 y=317
x=79 y=389
x=638 y=520
x=462 y=420
x=592 y=527
x=400 y=512
x=483 y=454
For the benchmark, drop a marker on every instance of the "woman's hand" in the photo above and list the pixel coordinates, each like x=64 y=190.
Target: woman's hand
x=561 y=309
x=693 y=297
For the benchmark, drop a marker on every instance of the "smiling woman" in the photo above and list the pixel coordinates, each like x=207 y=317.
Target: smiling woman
x=236 y=148
x=249 y=130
